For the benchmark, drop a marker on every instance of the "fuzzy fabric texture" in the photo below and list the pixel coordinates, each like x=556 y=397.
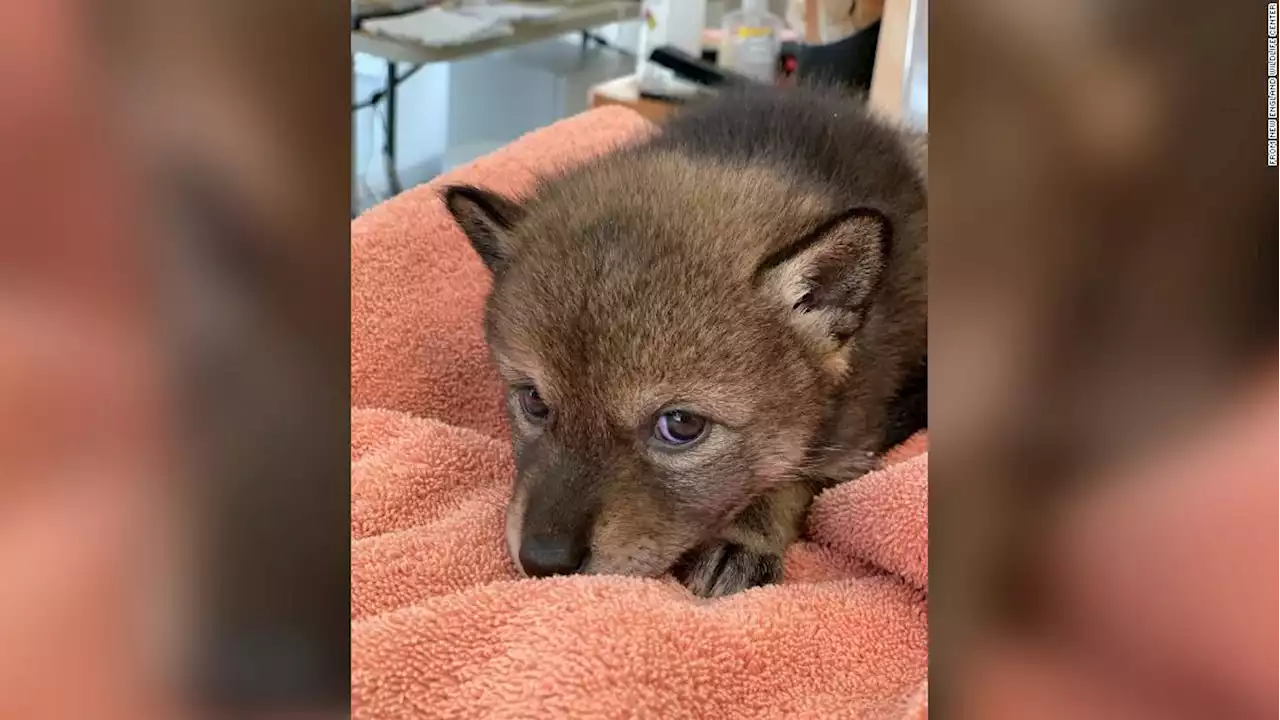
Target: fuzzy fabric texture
x=441 y=625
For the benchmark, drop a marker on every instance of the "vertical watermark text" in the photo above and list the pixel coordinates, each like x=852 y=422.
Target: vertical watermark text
x=1272 y=90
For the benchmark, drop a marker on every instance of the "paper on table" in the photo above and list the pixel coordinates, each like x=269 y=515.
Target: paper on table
x=508 y=11
x=438 y=28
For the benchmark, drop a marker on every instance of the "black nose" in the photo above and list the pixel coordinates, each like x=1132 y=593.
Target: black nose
x=545 y=555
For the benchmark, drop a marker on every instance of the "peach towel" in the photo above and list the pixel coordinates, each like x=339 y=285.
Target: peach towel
x=441 y=627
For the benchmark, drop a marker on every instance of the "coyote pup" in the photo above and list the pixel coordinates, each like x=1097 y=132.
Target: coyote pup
x=702 y=331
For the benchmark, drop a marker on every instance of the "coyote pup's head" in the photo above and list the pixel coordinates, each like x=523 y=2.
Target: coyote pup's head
x=669 y=333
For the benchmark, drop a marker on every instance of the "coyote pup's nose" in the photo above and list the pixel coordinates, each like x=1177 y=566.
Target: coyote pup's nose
x=542 y=555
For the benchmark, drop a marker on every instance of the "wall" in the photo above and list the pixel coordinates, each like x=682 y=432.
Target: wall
x=451 y=113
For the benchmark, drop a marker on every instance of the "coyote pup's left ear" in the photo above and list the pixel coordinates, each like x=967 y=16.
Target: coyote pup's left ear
x=487 y=219
x=826 y=279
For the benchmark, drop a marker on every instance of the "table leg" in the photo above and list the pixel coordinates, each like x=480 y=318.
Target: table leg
x=393 y=171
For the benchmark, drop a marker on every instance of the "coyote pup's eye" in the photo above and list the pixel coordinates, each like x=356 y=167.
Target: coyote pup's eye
x=679 y=427
x=531 y=403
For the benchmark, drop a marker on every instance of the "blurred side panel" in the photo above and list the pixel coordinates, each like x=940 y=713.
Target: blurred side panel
x=1103 y=348
x=174 y=383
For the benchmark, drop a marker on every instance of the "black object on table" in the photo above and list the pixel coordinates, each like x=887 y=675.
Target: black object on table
x=849 y=62
x=694 y=69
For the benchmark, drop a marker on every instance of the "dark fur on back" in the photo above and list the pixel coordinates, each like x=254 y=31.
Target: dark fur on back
x=815 y=133
x=759 y=262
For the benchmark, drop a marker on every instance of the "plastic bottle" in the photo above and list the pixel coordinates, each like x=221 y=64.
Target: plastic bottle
x=752 y=41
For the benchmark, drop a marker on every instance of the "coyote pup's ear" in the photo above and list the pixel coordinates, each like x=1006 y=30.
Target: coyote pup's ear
x=487 y=219
x=825 y=280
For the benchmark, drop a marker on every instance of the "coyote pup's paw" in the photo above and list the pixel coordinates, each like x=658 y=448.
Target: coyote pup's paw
x=724 y=568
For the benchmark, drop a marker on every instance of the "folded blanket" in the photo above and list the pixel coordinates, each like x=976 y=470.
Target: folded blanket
x=442 y=627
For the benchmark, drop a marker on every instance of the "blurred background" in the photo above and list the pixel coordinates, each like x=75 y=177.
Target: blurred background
x=178 y=181
x=437 y=83
x=173 y=359
x=1103 y=402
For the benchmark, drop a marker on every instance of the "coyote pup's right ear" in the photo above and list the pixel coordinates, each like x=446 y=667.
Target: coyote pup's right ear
x=486 y=218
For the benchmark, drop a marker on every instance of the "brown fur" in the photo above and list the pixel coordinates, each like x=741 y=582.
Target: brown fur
x=761 y=263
